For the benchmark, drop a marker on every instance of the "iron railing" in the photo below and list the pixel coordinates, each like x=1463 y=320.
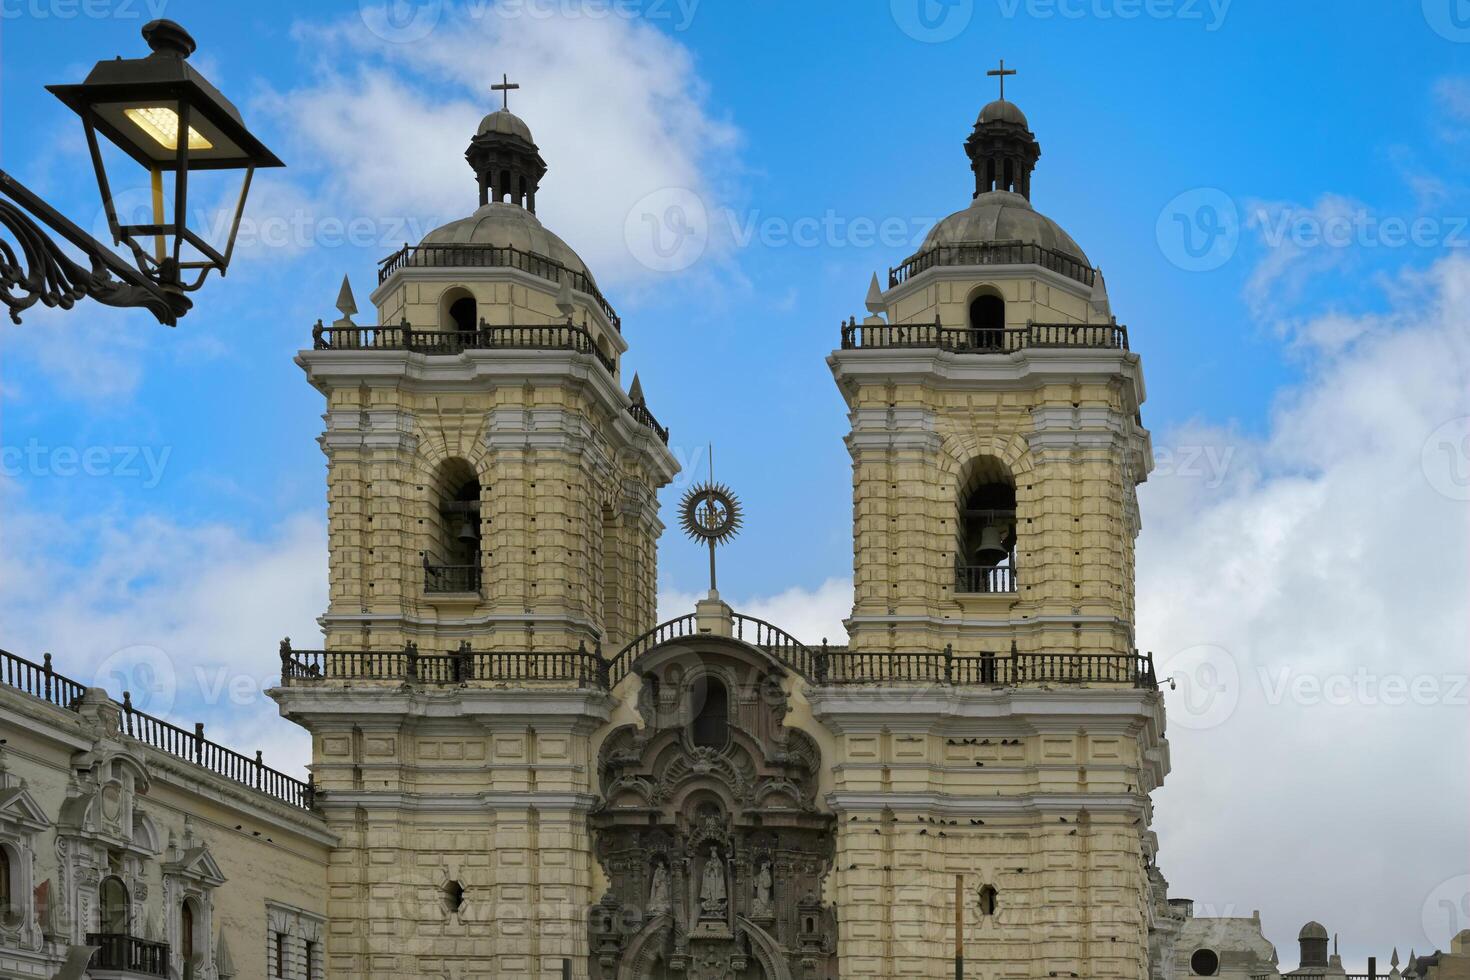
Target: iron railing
x=984 y=579
x=993 y=253
x=128 y=954
x=460 y=256
x=41 y=681
x=645 y=418
x=581 y=667
x=822 y=665
x=987 y=670
x=192 y=746
x=966 y=340
x=404 y=336
x=450 y=579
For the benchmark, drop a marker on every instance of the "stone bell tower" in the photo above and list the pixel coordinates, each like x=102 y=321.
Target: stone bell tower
x=493 y=525
x=998 y=737
x=489 y=481
x=996 y=436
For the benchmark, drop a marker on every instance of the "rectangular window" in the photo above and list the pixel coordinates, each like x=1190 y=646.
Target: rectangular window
x=310 y=966
x=280 y=954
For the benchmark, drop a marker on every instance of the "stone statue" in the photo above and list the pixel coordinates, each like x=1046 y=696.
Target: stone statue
x=760 y=907
x=712 y=888
x=658 y=896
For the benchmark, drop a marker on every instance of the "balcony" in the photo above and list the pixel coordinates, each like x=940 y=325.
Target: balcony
x=451 y=579
x=126 y=956
x=965 y=340
x=993 y=253
x=984 y=580
x=405 y=337
x=495 y=257
x=645 y=418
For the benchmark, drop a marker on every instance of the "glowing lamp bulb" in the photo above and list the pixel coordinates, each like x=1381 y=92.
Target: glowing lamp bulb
x=162 y=124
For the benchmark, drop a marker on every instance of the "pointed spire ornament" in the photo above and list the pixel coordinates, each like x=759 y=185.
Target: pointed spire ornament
x=346 y=304
x=224 y=963
x=1099 y=298
x=635 y=393
x=564 y=299
x=875 y=302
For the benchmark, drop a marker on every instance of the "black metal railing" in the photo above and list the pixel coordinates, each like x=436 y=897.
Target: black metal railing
x=450 y=579
x=822 y=665
x=128 y=954
x=192 y=746
x=644 y=417
x=581 y=667
x=844 y=666
x=994 y=253
x=41 y=681
x=984 y=579
x=462 y=256
x=404 y=336
x=966 y=340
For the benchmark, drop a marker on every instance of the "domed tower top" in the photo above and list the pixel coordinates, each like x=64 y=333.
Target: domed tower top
x=1313 y=940
x=1003 y=151
x=507 y=163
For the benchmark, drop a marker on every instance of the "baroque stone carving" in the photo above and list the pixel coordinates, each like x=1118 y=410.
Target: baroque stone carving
x=709 y=829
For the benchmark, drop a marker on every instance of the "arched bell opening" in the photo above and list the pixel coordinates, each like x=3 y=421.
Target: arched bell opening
x=452 y=558
x=458 y=311
x=987 y=319
x=985 y=548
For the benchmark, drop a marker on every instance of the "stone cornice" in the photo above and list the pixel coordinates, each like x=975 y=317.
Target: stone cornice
x=972 y=275
x=551 y=709
x=1019 y=805
x=475 y=803
x=1022 y=370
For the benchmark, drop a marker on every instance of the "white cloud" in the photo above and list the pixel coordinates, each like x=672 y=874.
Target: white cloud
x=810 y=615
x=616 y=106
x=186 y=618
x=1336 y=552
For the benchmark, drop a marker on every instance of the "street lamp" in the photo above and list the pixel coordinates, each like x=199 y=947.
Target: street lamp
x=169 y=119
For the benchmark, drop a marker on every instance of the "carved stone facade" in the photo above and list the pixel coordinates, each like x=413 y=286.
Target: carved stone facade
x=713 y=840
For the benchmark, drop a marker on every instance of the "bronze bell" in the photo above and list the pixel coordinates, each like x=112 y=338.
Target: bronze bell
x=468 y=533
x=992 y=550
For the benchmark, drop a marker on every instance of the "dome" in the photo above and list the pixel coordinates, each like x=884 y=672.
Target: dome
x=1003 y=216
x=1313 y=930
x=507 y=225
x=1002 y=111
x=506 y=123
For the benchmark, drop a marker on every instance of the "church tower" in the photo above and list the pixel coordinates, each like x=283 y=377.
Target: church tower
x=489 y=481
x=493 y=521
x=996 y=436
x=997 y=734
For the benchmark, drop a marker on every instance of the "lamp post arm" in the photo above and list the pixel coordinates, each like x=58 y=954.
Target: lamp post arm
x=35 y=269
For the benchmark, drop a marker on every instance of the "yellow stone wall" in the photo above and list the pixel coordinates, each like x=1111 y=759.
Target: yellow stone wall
x=266 y=850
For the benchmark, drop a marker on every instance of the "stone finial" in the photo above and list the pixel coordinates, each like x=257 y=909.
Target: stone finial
x=224 y=963
x=346 y=304
x=875 y=302
x=1099 y=299
x=564 y=298
x=635 y=392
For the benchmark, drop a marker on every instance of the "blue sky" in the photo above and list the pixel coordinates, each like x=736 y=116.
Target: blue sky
x=1287 y=383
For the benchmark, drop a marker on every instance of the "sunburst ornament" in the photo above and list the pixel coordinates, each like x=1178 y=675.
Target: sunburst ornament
x=710 y=512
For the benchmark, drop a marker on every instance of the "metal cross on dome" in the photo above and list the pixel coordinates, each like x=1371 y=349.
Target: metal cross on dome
x=506 y=87
x=1001 y=73
x=710 y=512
